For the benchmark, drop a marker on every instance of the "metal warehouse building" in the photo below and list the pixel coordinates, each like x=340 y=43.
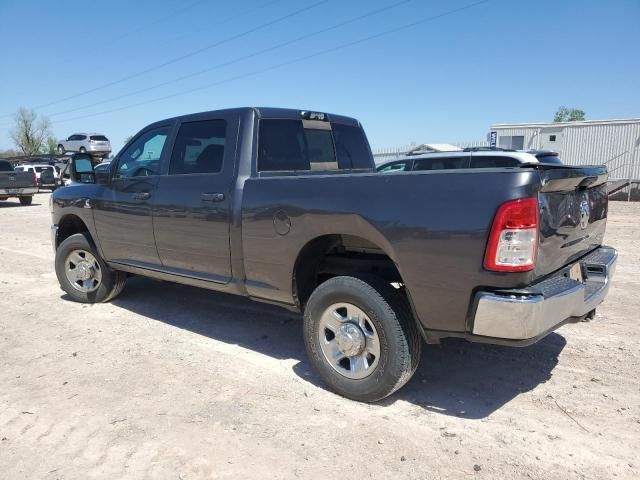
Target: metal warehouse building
x=615 y=143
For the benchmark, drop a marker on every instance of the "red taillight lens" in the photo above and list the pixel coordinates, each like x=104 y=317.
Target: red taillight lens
x=34 y=179
x=513 y=241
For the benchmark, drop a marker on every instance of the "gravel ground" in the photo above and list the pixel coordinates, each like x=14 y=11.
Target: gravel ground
x=180 y=383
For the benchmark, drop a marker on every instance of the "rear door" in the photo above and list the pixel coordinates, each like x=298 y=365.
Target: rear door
x=573 y=214
x=192 y=207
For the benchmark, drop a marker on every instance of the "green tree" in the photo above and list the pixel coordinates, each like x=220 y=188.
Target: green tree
x=52 y=145
x=565 y=114
x=30 y=133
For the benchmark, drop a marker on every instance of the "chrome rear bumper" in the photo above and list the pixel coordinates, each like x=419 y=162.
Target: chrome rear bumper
x=534 y=311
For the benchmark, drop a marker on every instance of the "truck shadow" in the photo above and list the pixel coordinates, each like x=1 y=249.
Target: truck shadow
x=454 y=378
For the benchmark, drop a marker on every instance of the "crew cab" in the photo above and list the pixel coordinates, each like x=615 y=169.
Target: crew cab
x=286 y=207
x=15 y=183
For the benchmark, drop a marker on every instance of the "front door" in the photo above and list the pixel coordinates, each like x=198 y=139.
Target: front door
x=123 y=211
x=192 y=207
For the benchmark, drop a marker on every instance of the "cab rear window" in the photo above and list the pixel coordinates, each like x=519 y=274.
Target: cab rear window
x=304 y=145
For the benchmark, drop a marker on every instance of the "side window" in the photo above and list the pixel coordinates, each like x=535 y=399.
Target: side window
x=441 y=163
x=395 y=167
x=199 y=148
x=142 y=157
x=482 y=161
x=81 y=137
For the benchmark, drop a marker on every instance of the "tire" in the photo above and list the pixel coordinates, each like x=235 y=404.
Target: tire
x=61 y=150
x=92 y=290
x=82 y=150
x=25 y=200
x=387 y=317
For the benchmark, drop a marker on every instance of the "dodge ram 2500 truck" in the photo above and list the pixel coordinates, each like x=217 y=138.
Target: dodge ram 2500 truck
x=285 y=206
x=22 y=185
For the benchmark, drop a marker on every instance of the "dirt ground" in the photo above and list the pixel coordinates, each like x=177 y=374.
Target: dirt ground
x=172 y=382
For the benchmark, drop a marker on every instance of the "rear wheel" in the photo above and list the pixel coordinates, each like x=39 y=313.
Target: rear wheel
x=61 y=150
x=82 y=150
x=361 y=337
x=26 y=200
x=83 y=274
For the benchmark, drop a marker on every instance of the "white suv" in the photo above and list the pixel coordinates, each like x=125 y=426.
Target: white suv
x=93 y=143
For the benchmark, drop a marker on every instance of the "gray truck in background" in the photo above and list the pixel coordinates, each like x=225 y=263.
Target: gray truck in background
x=20 y=185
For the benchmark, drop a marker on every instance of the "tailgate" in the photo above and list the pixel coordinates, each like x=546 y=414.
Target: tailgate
x=573 y=215
x=10 y=180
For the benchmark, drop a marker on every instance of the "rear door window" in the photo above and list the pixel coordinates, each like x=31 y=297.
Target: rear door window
x=199 y=148
x=441 y=163
x=307 y=145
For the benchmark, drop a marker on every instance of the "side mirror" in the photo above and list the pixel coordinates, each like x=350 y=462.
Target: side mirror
x=82 y=169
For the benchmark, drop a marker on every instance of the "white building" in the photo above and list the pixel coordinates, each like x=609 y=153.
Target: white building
x=615 y=143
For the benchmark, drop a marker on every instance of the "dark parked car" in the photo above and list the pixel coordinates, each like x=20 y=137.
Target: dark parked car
x=285 y=206
x=22 y=185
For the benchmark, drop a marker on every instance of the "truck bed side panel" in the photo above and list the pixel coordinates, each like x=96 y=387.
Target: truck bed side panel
x=433 y=225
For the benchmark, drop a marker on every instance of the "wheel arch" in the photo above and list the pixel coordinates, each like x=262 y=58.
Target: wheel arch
x=335 y=254
x=70 y=224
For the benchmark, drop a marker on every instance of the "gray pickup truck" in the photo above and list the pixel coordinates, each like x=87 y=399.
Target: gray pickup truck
x=21 y=185
x=285 y=206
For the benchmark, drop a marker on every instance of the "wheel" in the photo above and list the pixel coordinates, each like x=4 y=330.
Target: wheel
x=83 y=274
x=25 y=200
x=361 y=337
x=82 y=150
x=61 y=150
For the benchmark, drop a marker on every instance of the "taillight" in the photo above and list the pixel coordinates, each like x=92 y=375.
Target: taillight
x=34 y=179
x=92 y=141
x=513 y=241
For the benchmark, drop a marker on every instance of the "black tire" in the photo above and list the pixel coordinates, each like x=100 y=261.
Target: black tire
x=61 y=150
x=112 y=281
x=400 y=341
x=25 y=200
x=82 y=150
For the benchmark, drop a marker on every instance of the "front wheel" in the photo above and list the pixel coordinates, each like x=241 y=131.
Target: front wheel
x=83 y=274
x=361 y=337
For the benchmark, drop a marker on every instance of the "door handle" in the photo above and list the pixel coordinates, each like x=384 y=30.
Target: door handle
x=212 y=197
x=141 y=196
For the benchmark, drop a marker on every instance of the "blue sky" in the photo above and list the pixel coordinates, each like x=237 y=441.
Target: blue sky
x=443 y=80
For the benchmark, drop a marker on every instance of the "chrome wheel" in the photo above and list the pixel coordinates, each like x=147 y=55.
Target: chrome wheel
x=349 y=341
x=83 y=271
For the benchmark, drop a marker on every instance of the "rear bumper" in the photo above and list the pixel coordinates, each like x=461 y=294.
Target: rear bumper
x=17 y=192
x=532 y=312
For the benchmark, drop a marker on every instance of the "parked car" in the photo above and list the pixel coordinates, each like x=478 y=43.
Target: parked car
x=460 y=159
x=46 y=175
x=21 y=185
x=93 y=143
x=284 y=206
x=102 y=167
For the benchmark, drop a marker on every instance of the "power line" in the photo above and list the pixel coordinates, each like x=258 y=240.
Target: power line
x=170 y=16
x=237 y=59
x=187 y=55
x=290 y=62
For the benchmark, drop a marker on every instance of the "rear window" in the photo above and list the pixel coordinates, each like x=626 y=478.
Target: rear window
x=5 y=167
x=493 y=162
x=99 y=138
x=442 y=163
x=41 y=169
x=303 y=145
